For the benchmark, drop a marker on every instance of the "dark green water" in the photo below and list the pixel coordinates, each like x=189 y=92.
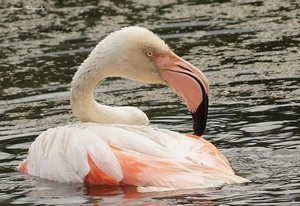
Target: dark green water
x=248 y=49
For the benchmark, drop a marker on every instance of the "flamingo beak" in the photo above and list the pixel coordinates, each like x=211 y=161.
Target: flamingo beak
x=190 y=83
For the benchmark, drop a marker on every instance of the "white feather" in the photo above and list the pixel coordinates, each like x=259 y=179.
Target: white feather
x=60 y=154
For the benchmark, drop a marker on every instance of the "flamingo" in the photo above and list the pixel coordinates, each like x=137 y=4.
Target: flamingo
x=116 y=145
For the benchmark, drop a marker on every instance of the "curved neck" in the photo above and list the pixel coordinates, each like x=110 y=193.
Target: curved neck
x=82 y=99
x=94 y=69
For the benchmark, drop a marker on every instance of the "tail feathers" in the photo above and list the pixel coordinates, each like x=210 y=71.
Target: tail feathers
x=189 y=182
x=198 y=180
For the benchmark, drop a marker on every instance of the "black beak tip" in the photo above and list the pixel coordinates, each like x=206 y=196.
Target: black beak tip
x=200 y=117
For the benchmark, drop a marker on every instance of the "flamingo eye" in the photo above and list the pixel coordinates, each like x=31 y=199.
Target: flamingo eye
x=150 y=53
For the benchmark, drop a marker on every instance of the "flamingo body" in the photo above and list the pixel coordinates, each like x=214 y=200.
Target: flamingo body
x=150 y=158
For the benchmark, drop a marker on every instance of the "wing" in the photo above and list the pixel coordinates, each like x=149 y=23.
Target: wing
x=159 y=174
x=61 y=154
x=186 y=147
x=66 y=154
x=124 y=154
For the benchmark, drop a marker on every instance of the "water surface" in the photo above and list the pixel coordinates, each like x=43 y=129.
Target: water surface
x=248 y=50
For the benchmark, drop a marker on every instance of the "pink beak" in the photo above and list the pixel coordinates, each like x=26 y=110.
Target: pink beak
x=190 y=83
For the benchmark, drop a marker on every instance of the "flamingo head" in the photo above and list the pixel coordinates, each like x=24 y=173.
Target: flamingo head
x=143 y=56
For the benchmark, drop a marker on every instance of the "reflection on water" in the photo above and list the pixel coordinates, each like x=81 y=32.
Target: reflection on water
x=59 y=193
x=248 y=50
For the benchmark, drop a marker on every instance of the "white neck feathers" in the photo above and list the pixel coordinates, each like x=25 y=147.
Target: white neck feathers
x=94 y=69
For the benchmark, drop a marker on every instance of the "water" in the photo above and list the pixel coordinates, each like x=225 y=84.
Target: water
x=248 y=49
